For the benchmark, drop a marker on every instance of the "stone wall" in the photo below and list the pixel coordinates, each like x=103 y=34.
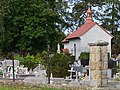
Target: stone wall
x=98 y=64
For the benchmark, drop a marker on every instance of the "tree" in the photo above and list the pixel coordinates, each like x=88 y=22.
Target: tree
x=111 y=22
x=4 y=8
x=30 y=26
x=116 y=45
x=110 y=15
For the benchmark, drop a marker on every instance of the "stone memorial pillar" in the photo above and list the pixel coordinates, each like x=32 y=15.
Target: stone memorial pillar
x=98 y=64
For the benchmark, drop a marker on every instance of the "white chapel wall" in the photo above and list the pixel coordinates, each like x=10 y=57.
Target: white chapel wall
x=70 y=46
x=95 y=34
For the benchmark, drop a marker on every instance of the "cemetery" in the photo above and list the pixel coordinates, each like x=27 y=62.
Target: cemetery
x=36 y=55
x=99 y=75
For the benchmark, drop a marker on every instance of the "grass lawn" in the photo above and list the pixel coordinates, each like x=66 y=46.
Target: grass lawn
x=25 y=88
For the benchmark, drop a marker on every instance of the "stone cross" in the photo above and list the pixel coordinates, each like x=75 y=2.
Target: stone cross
x=98 y=64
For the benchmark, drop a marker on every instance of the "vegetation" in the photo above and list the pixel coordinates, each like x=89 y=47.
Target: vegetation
x=117 y=79
x=29 y=61
x=27 y=86
x=59 y=64
x=1 y=72
x=29 y=26
x=116 y=43
x=84 y=55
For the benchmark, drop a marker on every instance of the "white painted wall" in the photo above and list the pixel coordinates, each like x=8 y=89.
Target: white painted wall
x=94 y=34
x=66 y=45
x=70 y=46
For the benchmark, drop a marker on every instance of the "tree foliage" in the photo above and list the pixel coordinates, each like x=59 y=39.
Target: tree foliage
x=116 y=45
x=112 y=23
x=29 y=61
x=110 y=15
x=84 y=55
x=4 y=9
x=30 y=26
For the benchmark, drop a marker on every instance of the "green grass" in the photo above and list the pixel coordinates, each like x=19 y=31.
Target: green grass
x=25 y=88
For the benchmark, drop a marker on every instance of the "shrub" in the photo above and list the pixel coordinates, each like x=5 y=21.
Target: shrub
x=1 y=72
x=59 y=64
x=29 y=61
x=84 y=55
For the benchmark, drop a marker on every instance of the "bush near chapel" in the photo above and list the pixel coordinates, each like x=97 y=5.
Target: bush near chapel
x=59 y=64
x=84 y=57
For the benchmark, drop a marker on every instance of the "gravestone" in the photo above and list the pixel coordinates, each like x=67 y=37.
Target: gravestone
x=40 y=75
x=8 y=62
x=7 y=67
x=39 y=67
x=98 y=64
